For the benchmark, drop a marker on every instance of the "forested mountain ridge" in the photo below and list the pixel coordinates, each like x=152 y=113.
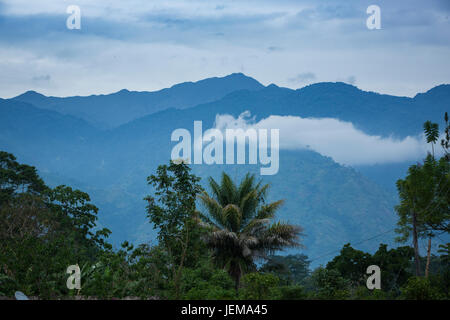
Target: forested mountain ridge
x=111 y=110
x=336 y=204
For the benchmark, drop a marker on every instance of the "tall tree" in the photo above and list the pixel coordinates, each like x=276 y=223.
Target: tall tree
x=431 y=131
x=413 y=194
x=173 y=212
x=239 y=223
x=424 y=195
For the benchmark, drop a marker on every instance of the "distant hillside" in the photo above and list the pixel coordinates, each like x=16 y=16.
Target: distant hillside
x=107 y=111
x=43 y=136
x=336 y=204
x=371 y=112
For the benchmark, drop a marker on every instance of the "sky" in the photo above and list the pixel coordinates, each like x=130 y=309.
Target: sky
x=146 y=45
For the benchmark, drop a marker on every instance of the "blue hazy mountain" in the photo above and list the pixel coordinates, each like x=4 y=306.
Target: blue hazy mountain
x=106 y=111
x=36 y=133
x=371 y=112
x=335 y=204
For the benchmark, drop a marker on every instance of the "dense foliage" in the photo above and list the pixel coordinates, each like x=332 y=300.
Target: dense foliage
x=227 y=251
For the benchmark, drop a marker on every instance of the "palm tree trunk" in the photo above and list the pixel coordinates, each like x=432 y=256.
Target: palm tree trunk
x=416 y=245
x=427 y=268
x=237 y=283
x=236 y=273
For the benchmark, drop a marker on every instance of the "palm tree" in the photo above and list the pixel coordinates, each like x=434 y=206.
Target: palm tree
x=239 y=225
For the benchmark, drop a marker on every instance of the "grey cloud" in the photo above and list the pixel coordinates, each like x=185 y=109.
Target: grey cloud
x=327 y=36
x=303 y=78
x=41 y=78
x=350 y=80
x=274 y=48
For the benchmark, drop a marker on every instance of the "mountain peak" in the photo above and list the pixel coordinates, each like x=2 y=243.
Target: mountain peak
x=123 y=91
x=231 y=82
x=30 y=94
x=31 y=97
x=325 y=87
x=237 y=75
x=334 y=85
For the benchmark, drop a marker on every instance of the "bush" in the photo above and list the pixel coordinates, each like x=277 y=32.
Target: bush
x=362 y=293
x=329 y=285
x=207 y=282
x=419 y=288
x=292 y=293
x=260 y=286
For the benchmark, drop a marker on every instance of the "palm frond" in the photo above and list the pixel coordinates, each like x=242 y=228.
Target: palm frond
x=216 y=190
x=248 y=204
x=267 y=211
x=214 y=209
x=233 y=216
x=228 y=190
x=280 y=235
x=247 y=185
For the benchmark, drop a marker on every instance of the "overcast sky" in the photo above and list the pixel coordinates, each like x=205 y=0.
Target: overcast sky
x=152 y=44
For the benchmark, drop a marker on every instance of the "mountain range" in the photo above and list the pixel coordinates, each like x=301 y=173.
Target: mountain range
x=107 y=111
x=107 y=145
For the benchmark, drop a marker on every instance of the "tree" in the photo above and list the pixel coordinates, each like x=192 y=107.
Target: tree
x=238 y=219
x=411 y=191
x=173 y=213
x=291 y=269
x=43 y=230
x=431 y=131
x=437 y=215
x=260 y=286
x=16 y=179
x=351 y=264
x=329 y=284
x=424 y=196
x=77 y=219
x=394 y=264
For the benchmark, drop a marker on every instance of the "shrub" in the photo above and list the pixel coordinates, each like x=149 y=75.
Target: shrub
x=292 y=293
x=419 y=288
x=260 y=286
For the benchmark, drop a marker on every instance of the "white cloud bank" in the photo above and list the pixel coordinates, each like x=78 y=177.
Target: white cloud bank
x=333 y=138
